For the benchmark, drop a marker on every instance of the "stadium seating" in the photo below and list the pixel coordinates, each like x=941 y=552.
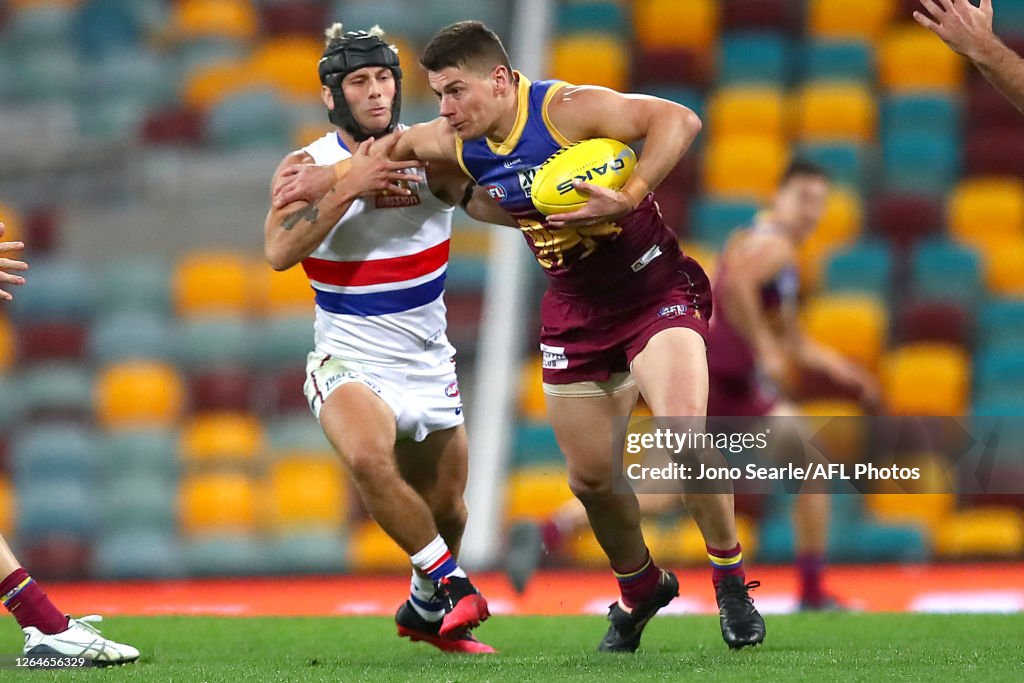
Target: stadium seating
x=910 y=58
x=250 y=118
x=864 y=267
x=131 y=335
x=591 y=17
x=980 y=209
x=999 y=373
x=284 y=293
x=221 y=437
x=856 y=326
x=536 y=492
x=903 y=219
x=838 y=60
x=595 y=59
x=919 y=162
x=847 y=163
x=371 y=550
x=208 y=342
x=756 y=58
x=838 y=19
x=914 y=111
x=227 y=19
x=926 y=379
x=306 y=491
x=981 y=532
x=1005 y=274
x=831 y=112
x=947 y=271
x=744 y=167
x=759 y=15
x=936 y=320
x=8 y=507
x=56 y=390
x=287 y=65
x=1001 y=323
x=740 y=110
x=218 y=502
x=213 y=283
x=712 y=220
x=656 y=24
x=8 y=344
x=139 y=393
x=989 y=152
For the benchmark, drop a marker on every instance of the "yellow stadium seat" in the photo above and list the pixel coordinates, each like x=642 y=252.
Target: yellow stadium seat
x=926 y=379
x=930 y=510
x=912 y=58
x=471 y=241
x=213 y=283
x=987 y=209
x=840 y=440
x=289 y=65
x=747 y=111
x=532 y=405
x=986 y=531
x=836 y=112
x=855 y=326
x=221 y=437
x=8 y=508
x=307 y=132
x=584 y=549
x=286 y=292
x=217 y=502
x=209 y=84
x=744 y=167
x=843 y=217
x=594 y=59
x=812 y=258
x=304 y=492
x=12 y=224
x=231 y=19
x=831 y=407
x=843 y=19
x=24 y=4
x=536 y=492
x=663 y=24
x=8 y=346
x=139 y=393
x=1004 y=272
x=373 y=550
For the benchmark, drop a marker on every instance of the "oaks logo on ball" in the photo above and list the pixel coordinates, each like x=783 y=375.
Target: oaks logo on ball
x=616 y=166
x=496 y=192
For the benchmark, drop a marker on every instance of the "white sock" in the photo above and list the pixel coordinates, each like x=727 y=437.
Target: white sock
x=436 y=560
x=422 y=597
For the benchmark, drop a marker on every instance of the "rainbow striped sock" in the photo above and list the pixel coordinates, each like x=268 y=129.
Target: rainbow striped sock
x=726 y=563
x=436 y=561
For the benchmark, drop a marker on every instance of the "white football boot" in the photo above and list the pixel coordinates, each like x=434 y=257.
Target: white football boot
x=81 y=639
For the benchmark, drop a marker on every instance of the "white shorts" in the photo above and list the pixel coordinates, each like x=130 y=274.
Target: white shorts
x=424 y=398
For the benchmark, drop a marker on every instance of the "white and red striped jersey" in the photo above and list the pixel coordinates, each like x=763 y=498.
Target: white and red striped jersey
x=379 y=274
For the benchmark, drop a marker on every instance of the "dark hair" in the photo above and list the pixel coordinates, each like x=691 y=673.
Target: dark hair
x=802 y=168
x=465 y=43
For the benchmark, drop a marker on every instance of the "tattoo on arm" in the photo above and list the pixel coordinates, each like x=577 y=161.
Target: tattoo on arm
x=310 y=214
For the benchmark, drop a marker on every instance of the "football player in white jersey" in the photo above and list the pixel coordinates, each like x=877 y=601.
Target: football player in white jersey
x=382 y=379
x=48 y=631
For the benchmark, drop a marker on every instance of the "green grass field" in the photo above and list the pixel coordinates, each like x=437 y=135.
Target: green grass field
x=865 y=647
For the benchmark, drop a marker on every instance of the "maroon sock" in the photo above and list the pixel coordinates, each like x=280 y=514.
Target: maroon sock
x=638 y=585
x=810 y=569
x=726 y=563
x=552 y=537
x=25 y=599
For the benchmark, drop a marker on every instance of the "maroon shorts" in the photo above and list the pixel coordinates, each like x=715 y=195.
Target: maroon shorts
x=588 y=342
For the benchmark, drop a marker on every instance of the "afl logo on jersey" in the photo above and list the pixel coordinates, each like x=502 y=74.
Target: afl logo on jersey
x=496 y=192
x=452 y=390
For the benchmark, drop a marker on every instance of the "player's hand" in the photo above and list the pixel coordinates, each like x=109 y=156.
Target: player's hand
x=8 y=264
x=302 y=182
x=966 y=29
x=603 y=206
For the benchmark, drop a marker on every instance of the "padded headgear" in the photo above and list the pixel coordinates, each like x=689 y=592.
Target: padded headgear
x=353 y=51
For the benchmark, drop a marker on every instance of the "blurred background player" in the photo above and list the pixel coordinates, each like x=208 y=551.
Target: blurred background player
x=47 y=630
x=382 y=378
x=612 y=266
x=754 y=347
x=967 y=29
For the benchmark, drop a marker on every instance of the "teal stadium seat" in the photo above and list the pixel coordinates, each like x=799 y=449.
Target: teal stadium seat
x=838 y=60
x=211 y=342
x=583 y=16
x=688 y=97
x=998 y=407
x=848 y=163
x=252 y=118
x=57 y=390
x=466 y=274
x=999 y=375
x=58 y=288
x=11 y=412
x=296 y=432
x=45 y=76
x=144 y=452
x=139 y=502
x=920 y=162
x=311 y=552
x=136 y=283
x=283 y=341
x=227 y=555
x=1008 y=19
x=44 y=24
x=60 y=507
x=910 y=112
x=133 y=84
x=759 y=58
x=104 y=27
x=1001 y=324
x=535 y=445
x=137 y=554
x=391 y=15
x=865 y=267
x=53 y=452
x=712 y=220
x=947 y=271
x=132 y=334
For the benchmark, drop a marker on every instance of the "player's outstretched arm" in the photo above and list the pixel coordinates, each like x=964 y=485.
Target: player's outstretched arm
x=967 y=30
x=667 y=128
x=8 y=264
x=308 y=200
